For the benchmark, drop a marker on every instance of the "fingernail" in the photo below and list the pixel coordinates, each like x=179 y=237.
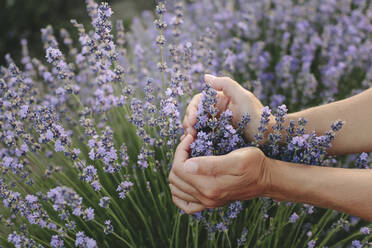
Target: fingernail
x=207 y=77
x=191 y=166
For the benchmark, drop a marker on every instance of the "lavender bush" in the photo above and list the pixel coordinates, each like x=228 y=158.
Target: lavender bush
x=88 y=131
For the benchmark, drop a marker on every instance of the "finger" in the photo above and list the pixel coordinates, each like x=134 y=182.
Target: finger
x=222 y=102
x=185 y=122
x=187 y=207
x=187 y=126
x=215 y=165
x=182 y=195
x=191 y=112
x=182 y=185
x=182 y=151
x=199 y=186
x=189 y=129
x=193 y=105
x=192 y=185
x=226 y=85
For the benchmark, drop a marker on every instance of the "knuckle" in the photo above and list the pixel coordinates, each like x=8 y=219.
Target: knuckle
x=230 y=80
x=212 y=193
x=185 y=122
x=209 y=203
x=187 y=211
x=234 y=84
x=171 y=178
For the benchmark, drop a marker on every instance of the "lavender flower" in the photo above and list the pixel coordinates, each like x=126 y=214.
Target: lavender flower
x=365 y=230
x=108 y=227
x=266 y=113
x=56 y=241
x=311 y=244
x=242 y=240
x=124 y=188
x=19 y=240
x=293 y=218
x=83 y=241
x=356 y=244
x=362 y=161
x=88 y=214
x=104 y=202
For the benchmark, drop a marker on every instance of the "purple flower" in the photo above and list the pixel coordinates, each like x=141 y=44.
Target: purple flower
x=311 y=244
x=108 y=227
x=365 y=230
x=124 y=188
x=89 y=214
x=64 y=196
x=356 y=244
x=337 y=125
x=243 y=238
x=58 y=146
x=23 y=111
x=104 y=202
x=20 y=240
x=83 y=241
x=362 y=161
x=265 y=115
x=293 y=218
x=53 y=55
x=31 y=199
x=56 y=241
x=89 y=173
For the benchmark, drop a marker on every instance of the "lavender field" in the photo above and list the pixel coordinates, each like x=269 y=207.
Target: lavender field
x=90 y=127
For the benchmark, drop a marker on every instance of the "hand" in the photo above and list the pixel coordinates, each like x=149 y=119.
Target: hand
x=213 y=181
x=230 y=96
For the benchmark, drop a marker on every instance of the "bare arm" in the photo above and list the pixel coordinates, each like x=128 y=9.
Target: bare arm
x=345 y=190
x=356 y=135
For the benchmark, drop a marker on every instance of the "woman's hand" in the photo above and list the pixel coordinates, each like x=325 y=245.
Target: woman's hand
x=230 y=96
x=213 y=181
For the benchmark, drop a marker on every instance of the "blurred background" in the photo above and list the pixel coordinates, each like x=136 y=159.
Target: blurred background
x=24 y=19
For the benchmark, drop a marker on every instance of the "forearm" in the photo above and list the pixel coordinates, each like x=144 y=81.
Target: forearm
x=356 y=134
x=345 y=190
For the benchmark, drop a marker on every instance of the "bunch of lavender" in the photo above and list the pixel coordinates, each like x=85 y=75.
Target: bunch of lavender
x=215 y=133
x=217 y=136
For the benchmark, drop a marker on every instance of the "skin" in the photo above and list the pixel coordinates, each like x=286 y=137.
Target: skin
x=213 y=181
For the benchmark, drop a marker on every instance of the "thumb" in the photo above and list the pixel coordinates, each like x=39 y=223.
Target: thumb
x=182 y=150
x=210 y=166
x=228 y=86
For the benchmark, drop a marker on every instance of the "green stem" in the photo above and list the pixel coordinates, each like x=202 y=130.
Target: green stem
x=143 y=219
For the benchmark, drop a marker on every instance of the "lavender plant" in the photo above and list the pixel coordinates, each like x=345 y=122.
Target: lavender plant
x=88 y=131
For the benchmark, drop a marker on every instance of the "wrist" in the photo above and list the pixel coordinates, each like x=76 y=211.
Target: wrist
x=279 y=183
x=265 y=181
